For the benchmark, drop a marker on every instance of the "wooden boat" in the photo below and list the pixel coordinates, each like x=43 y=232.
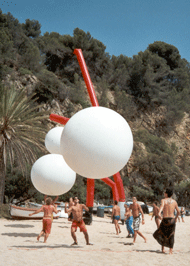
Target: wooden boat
x=22 y=213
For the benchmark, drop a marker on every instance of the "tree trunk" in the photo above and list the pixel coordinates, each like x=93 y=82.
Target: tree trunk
x=2 y=177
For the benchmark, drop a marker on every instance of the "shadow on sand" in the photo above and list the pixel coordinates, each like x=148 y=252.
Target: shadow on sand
x=46 y=246
x=19 y=225
x=20 y=234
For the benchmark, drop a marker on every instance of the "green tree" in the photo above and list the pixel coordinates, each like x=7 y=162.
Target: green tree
x=22 y=131
x=31 y=28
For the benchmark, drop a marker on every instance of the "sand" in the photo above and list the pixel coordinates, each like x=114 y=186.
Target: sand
x=18 y=244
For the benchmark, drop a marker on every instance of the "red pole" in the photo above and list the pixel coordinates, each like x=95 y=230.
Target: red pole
x=60 y=119
x=94 y=101
x=86 y=76
x=120 y=188
x=90 y=192
x=110 y=183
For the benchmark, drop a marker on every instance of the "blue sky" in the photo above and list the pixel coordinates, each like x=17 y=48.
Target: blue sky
x=124 y=26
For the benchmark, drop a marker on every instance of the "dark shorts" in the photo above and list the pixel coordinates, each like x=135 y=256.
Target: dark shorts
x=117 y=217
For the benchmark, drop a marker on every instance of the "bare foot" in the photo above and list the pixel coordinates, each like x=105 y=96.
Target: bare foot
x=89 y=244
x=38 y=238
x=74 y=244
x=145 y=240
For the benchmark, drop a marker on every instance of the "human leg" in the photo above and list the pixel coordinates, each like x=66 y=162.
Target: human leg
x=46 y=237
x=157 y=222
x=116 y=227
x=139 y=233
x=135 y=236
x=86 y=237
x=73 y=234
x=40 y=234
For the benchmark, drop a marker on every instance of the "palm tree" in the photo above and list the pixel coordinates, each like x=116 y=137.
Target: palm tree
x=22 y=131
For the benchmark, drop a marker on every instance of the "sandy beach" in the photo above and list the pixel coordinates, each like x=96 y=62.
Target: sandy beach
x=19 y=245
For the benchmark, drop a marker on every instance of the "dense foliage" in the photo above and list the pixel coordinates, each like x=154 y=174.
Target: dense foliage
x=157 y=77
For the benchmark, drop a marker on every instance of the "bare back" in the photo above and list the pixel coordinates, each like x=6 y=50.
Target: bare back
x=48 y=210
x=168 y=207
x=116 y=210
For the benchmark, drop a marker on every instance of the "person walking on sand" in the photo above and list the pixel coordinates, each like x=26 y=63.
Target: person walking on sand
x=165 y=233
x=129 y=221
x=48 y=210
x=116 y=217
x=155 y=214
x=182 y=212
x=136 y=209
x=77 y=211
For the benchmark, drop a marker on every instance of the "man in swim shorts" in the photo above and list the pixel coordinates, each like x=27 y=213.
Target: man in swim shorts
x=136 y=209
x=165 y=233
x=116 y=217
x=77 y=211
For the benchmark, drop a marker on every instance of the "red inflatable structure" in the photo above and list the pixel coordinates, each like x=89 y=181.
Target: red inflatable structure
x=117 y=186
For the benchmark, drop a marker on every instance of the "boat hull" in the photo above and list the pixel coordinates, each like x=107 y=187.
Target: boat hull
x=22 y=213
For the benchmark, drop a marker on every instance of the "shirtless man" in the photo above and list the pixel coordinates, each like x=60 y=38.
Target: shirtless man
x=165 y=233
x=116 y=217
x=136 y=208
x=77 y=211
x=155 y=214
x=48 y=210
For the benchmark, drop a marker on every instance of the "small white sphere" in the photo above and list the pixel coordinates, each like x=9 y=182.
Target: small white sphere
x=96 y=142
x=52 y=140
x=51 y=175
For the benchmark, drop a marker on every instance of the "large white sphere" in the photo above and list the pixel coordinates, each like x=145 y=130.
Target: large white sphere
x=52 y=140
x=96 y=142
x=51 y=175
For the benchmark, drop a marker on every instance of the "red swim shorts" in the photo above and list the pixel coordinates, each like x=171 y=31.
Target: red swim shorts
x=47 y=225
x=80 y=224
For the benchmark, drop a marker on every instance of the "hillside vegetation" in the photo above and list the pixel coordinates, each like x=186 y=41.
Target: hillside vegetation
x=151 y=91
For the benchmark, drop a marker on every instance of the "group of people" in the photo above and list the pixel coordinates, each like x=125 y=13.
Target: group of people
x=75 y=214
x=165 y=229
x=166 y=217
x=132 y=216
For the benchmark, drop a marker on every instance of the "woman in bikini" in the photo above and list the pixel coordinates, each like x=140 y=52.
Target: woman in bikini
x=155 y=214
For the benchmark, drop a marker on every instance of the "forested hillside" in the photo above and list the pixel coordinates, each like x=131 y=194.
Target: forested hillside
x=151 y=91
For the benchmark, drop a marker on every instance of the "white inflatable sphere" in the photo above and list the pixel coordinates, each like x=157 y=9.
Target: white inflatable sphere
x=96 y=142
x=51 y=175
x=52 y=140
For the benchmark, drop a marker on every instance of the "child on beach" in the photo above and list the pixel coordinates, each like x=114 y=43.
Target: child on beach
x=129 y=221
